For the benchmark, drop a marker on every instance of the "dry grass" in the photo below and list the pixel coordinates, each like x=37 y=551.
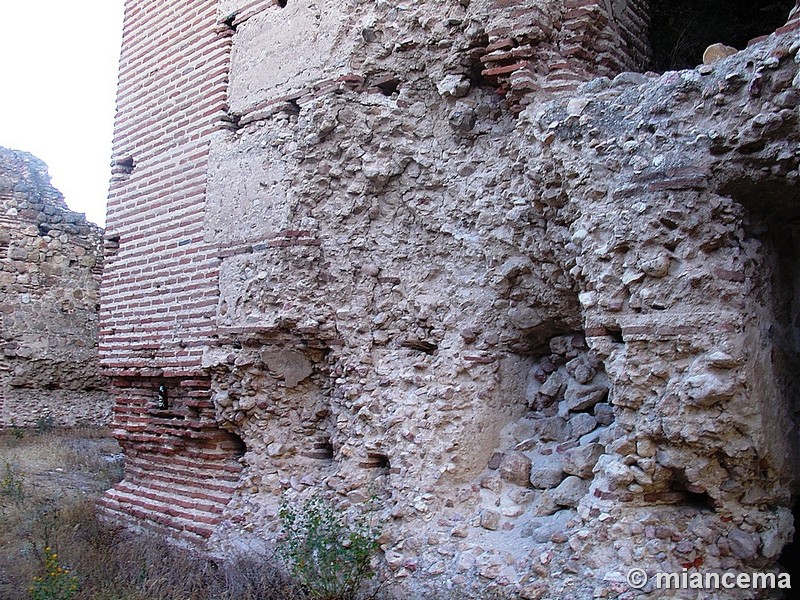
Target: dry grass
x=49 y=482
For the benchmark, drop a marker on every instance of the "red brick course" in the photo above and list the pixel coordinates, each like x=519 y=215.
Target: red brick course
x=160 y=281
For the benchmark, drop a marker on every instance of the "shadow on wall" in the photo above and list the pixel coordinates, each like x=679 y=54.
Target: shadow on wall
x=774 y=219
x=681 y=30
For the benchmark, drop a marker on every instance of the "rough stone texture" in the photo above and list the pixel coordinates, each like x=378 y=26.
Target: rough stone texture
x=464 y=241
x=160 y=278
x=50 y=264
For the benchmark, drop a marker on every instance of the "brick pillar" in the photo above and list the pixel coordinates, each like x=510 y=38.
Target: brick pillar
x=160 y=281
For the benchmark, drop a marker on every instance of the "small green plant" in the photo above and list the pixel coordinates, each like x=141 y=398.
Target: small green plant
x=12 y=484
x=17 y=432
x=329 y=556
x=56 y=583
x=44 y=423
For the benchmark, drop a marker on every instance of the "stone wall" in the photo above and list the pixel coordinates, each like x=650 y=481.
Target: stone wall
x=50 y=264
x=543 y=309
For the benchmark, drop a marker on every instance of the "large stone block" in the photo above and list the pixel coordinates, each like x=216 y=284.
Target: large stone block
x=282 y=51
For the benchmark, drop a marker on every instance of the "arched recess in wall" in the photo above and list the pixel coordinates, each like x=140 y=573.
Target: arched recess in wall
x=681 y=30
x=774 y=219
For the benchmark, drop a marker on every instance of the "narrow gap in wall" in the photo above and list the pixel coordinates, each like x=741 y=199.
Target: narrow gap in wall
x=616 y=334
x=420 y=345
x=794 y=309
x=291 y=106
x=326 y=450
x=774 y=219
x=229 y=22
x=388 y=85
x=111 y=245
x=790 y=557
x=691 y=497
x=236 y=121
x=162 y=397
x=320 y=450
x=474 y=65
x=376 y=460
x=238 y=447
x=681 y=30
x=536 y=341
x=668 y=223
x=232 y=119
x=126 y=165
x=700 y=501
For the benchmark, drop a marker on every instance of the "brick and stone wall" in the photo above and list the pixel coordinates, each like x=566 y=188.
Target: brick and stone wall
x=160 y=282
x=50 y=264
x=462 y=257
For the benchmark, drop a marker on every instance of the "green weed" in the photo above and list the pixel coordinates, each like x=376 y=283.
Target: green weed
x=329 y=556
x=56 y=582
x=12 y=484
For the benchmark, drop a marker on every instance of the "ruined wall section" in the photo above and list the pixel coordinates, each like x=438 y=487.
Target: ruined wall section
x=686 y=183
x=519 y=48
x=531 y=325
x=540 y=340
x=396 y=314
x=343 y=290
x=551 y=47
x=159 y=285
x=50 y=264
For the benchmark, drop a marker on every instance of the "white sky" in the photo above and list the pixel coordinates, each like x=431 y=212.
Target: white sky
x=58 y=78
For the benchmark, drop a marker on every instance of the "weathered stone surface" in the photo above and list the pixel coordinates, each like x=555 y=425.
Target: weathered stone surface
x=743 y=545
x=570 y=491
x=581 y=397
x=717 y=52
x=291 y=367
x=50 y=265
x=490 y=520
x=481 y=236
x=554 y=429
x=604 y=413
x=516 y=468
x=581 y=460
x=581 y=424
x=542 y=529
x=553 y=386
x=546 y=471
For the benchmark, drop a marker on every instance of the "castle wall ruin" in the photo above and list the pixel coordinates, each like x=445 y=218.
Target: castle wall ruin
x=467 y=258
x=50 y=264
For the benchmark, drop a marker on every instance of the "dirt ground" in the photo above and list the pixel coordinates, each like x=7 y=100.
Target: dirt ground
x=44 y=476
x=54 y=545
x=69 y=462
